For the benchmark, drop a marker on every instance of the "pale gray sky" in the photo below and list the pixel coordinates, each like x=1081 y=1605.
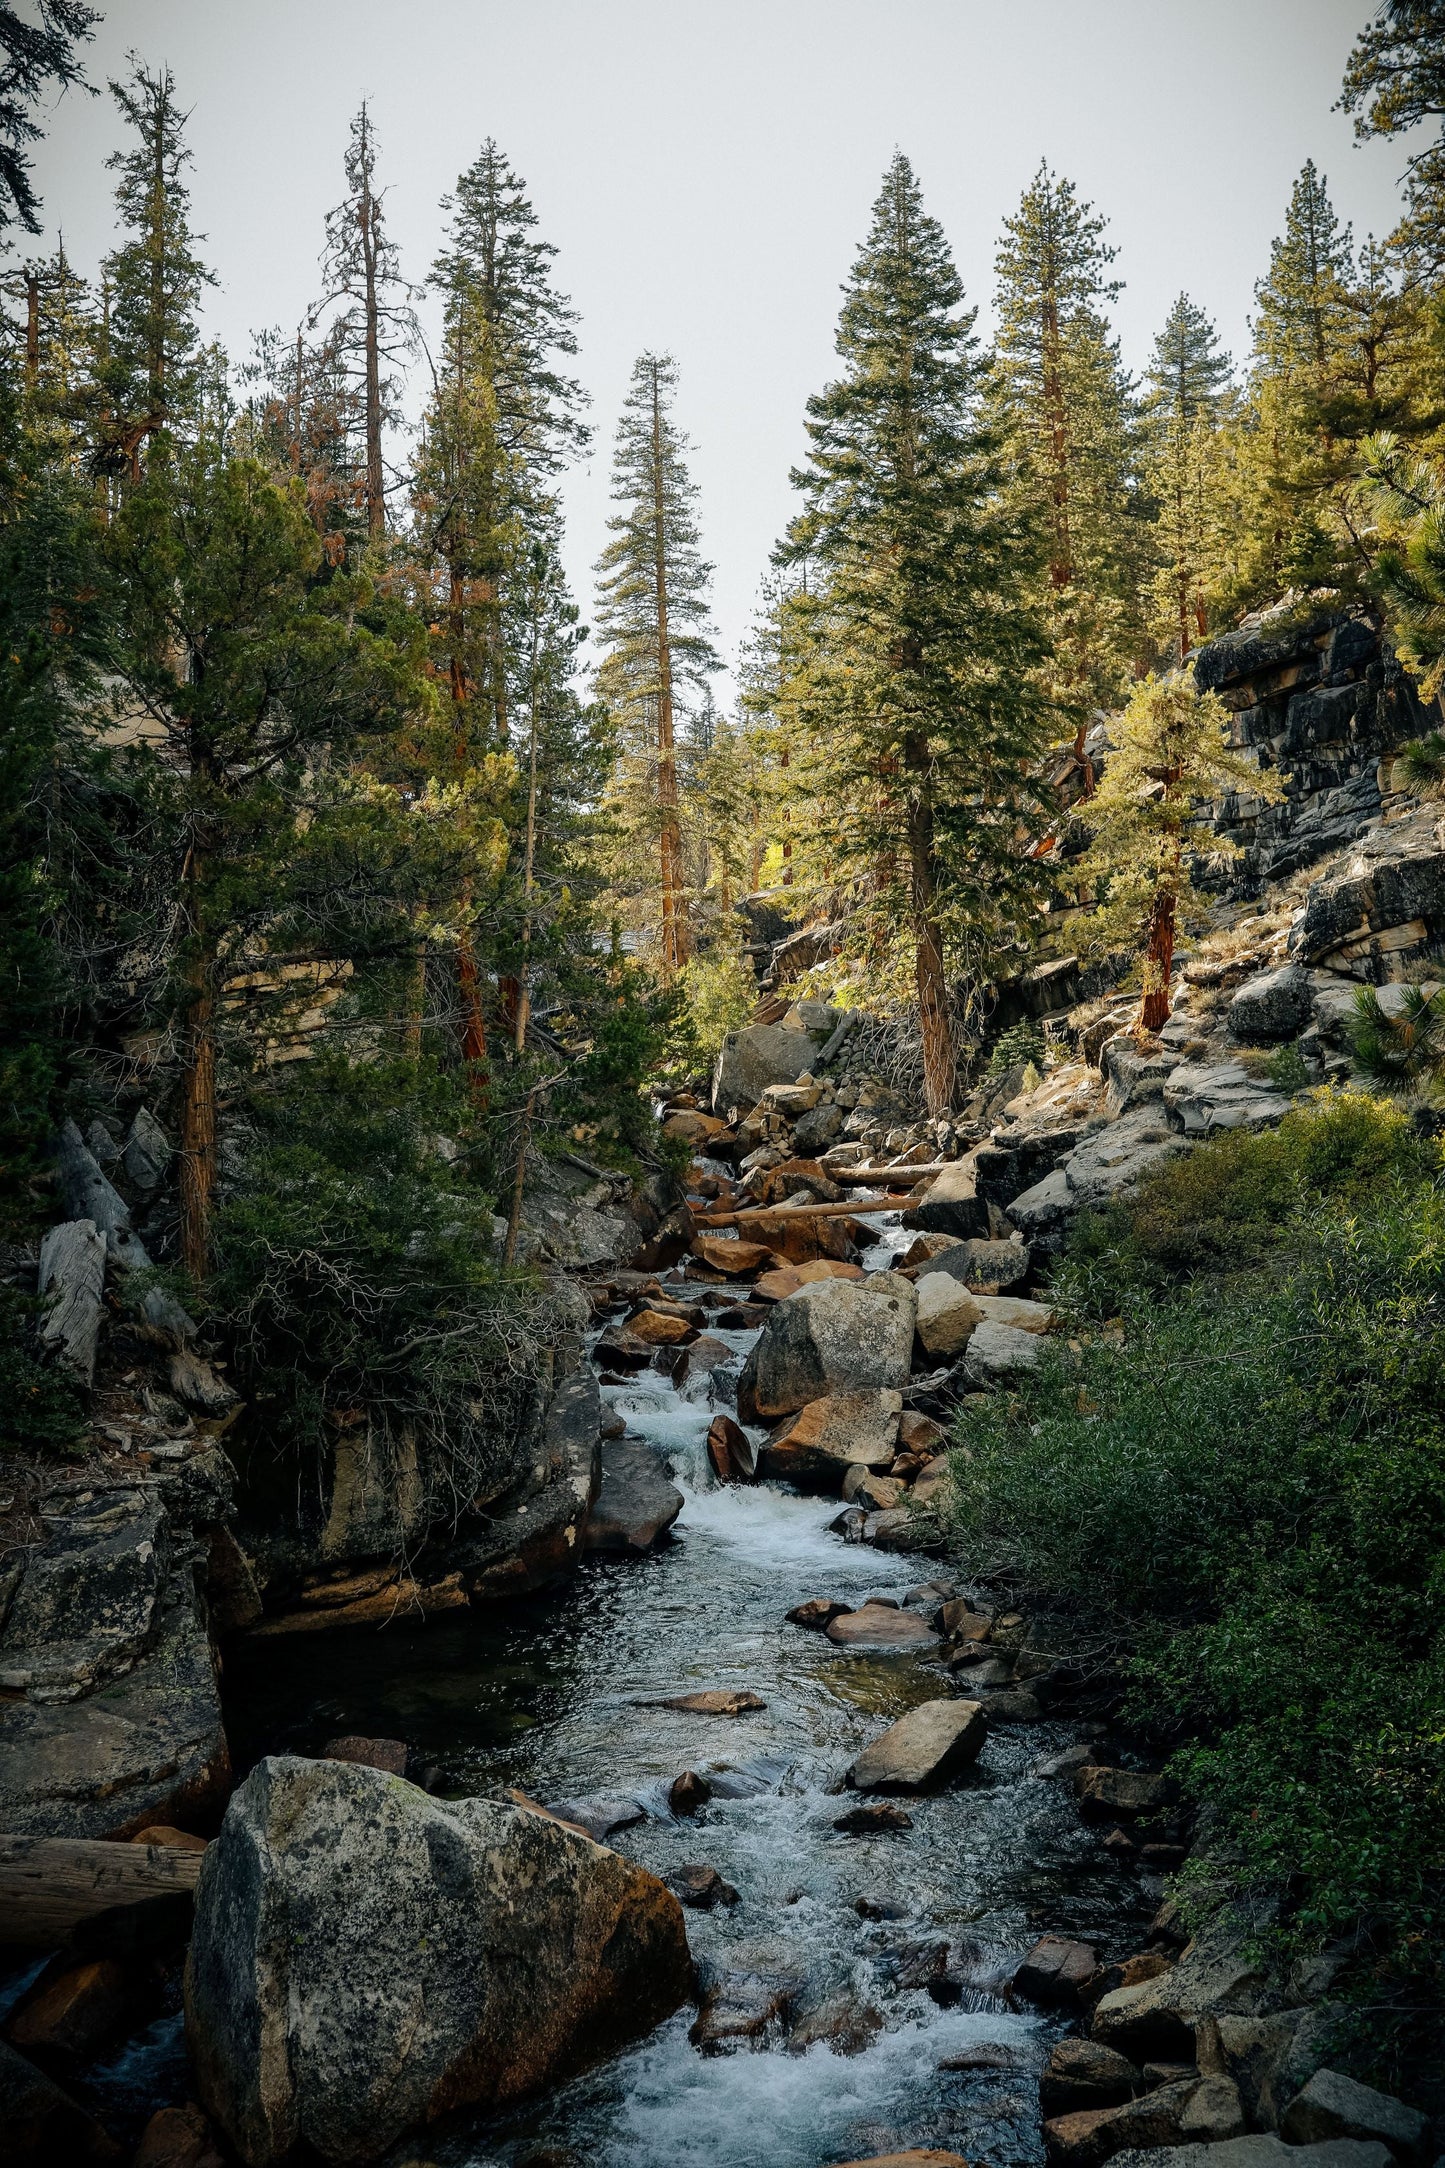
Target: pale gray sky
x=707 y=171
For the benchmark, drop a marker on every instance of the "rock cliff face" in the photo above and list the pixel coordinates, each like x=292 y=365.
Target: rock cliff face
x=1320 y=698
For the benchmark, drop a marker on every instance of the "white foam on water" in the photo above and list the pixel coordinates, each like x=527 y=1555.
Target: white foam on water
x=781 y=2110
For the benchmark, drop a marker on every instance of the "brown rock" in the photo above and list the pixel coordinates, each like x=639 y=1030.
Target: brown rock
x=387 y=1754
x=961 y=1622
x=846 y=2025
x=1093 y=2135
x=918 y=2156
x=1148 y=1965
x=1121 y=1795
x=659 y=1330
x=881 y=1626
x=818 y=1612
x=69 y=2015
x=876 y=1493
x=702 y=1888
x=178 y=2138
x=730 y=1451
x=740 y=1259
x=688 y=1792
x=1084 y=2074
x=739 y=2008
x=924 y=1747
x=619 y=1349
x=714 y=1701
x=816 y=1447
x=777 y=1285
x=810 y=1236
x=920 y=1434
x=826 y=1268
x=1055 y=1972
x=870 y=1821
x=176 y=1840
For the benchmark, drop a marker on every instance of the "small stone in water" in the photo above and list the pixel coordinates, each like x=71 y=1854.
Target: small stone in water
x=689 y=1792
x=714 y=1701
x=867 y=1821
x=880 y=1908
x=818 y=1612
x=702 y=1887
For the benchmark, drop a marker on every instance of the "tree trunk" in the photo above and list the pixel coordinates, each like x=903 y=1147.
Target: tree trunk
x=524 y=990
x=1158 y=962
x=32 y=332
x=940 y=1062
x=674 y=928
x=367 y=214
x=198 y=1082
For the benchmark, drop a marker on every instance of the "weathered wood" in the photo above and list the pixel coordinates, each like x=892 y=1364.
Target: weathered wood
x=854 y=1209
x=924 y=1173
x=50 y=1886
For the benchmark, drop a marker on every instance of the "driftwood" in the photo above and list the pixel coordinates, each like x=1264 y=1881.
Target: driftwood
x=853 y=1209
x=59 y=1889
x=925 y=1173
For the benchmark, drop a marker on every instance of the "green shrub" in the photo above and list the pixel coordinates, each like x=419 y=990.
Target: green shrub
x=1287 y=1068
x=720 y=993
x=1251 y=1492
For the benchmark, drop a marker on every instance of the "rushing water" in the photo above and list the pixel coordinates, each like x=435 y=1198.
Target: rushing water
x=550 y=1696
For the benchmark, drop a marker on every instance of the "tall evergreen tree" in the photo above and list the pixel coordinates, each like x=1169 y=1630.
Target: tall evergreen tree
x=1394 y=83
x=1065 y=407
x=152 y=365
x=35 y=55
x=502 y=418
x=1189 y=382
x=377 y=327
x=913 y=655
x=653 y=614
x=1301 y=327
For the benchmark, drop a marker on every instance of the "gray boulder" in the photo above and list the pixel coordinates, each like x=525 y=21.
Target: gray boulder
x=72 y=1274
x=147 y=1151
x=985 y=1268
x=1105 y=1162
x=86 y=1194
x=817 y=1129
x=754 y=1058
x=951 y=1204
x=816 y=1447
x=1334 y=2106
x=998 y=1354
x=832 y=1336
x=636 y=1505
x=1209 y=1096
x=367 y=1959
x=89 y=1599
x=1272 y=1007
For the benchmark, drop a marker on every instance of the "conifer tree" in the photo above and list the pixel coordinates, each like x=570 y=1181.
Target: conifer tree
x=155 y=277
x=1394 y=83
x=1301 y=326
x=35 y=55
x=1170 y=753
x=912 y=654
x=502 y=418
x=1065 y=407
x=653 y=614
x=377 y=328
x=1189 y=380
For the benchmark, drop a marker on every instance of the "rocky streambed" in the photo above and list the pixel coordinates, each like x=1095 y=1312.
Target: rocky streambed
x=855 y=1951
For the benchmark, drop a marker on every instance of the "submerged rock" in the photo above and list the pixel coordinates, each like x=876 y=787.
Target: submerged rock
x=367 y=1959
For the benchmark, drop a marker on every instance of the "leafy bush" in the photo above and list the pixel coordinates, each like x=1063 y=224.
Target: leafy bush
x=1252 y=1491
x=720 y=993
x=1226 y=1206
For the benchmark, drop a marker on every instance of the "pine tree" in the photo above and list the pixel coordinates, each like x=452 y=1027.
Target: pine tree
x=1395 y=82
x=1065 y=407
x=501 y=420
x=377 y=328
x=1301 y=327
x=1170 y=752
x=911 y=654
x=653 y=614
x=1189 y=392
x=155 y=276
x=36 y=54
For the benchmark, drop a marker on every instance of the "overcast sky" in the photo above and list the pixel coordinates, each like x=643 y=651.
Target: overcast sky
x=706 y=172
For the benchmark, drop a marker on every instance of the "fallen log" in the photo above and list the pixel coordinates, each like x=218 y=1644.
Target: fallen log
x=55 y=1888
x=925 y=1173
x=853 y=1209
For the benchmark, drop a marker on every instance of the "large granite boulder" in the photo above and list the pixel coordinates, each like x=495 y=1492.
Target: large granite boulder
x=947 y=1313
x=816 y=1447
x=1276 y=1005
x=89 y=1599
x=72 y=1276
x=540 y=1541
x=922 y=1749
x=832 y=1336
x=754 y=1058
x=951 y=1204
x=367 y=1959
x=1208 y=1096
x=636 y=1504
x=1107 y=1161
